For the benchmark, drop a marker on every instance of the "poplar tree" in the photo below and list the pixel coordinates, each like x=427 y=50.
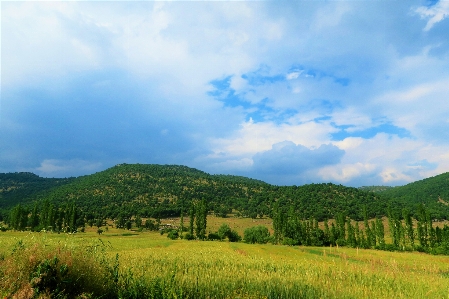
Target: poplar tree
x=201 y=219
x=380 y=233
x=278 y=223
x=351 y=241
x=374 y=240
x=181 y=225
x=422 y=226
x=192 y=218
x=409 y=227
x=368 y=231
x=327 y=233
x=34 y=217
x=43 y=217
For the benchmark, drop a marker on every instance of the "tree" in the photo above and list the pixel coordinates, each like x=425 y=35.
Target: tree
x=257 y=234
x=150 y=225
x=368 y=231
x=422 y=225
x=181 y=224
x=128 y=224
x=201 y=219
x=409 y=226
x=380 y=233
x=18 y=218
x=138 y=221
x=192 y=218
x=34 y=218
x=224 y=231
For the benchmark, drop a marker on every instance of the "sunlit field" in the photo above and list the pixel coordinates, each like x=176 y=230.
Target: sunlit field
x=152 y=266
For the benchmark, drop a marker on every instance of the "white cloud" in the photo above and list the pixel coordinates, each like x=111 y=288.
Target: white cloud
x=345 y=63
x=253 y=137
x=73 y=167
x=386 y=160
x=293 y=75
x=434 y=14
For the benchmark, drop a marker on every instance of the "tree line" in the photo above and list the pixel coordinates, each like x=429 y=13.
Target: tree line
x=406 y=233
x=46 y=217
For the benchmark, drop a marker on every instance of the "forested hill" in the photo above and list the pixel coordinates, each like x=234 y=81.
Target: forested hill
x=166 y=190
x=433 y=192
x=21 y=187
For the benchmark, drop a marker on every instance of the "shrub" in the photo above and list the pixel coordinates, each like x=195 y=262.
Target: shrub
x=234 y=236
x=173 y=234
x=189 y=236
x=223 y=231
x=257 y=234
x=213 y=237
x=33 y=271
x=289 y=242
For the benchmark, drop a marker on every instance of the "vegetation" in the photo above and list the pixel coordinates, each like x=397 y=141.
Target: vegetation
x=151 y=266
x=23 y=187
x=432 y=192
x=128 y=191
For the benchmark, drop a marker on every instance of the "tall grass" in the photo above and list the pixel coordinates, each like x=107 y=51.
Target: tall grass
x=150 y=266
x=33 y=268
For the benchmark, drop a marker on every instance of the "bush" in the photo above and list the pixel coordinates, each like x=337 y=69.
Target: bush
x=289 y=242
x=33 y=271
x=213 y=237
x=234 y=236
x=189 y=236
x=257 y=234
x=173 y=234
x=223 y=231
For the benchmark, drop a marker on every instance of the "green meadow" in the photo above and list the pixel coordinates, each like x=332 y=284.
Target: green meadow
x=128 y=264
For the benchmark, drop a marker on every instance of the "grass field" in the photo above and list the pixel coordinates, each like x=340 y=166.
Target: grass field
x=152 y=266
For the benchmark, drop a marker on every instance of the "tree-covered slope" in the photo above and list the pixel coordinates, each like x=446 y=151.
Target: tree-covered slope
x=166 y=190
x=433 y=192
x=22 y=187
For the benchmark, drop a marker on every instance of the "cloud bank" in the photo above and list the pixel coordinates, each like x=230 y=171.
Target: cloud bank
x=292 y=93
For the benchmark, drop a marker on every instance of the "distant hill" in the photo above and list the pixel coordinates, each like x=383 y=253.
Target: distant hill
x=433 y=192
x=165 y=190
x=22 y=187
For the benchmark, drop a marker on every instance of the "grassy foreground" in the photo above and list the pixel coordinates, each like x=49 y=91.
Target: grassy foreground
x=40 y=265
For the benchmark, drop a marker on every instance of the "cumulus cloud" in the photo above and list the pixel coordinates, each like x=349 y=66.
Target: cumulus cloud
x=286 y=158
x=358 y=90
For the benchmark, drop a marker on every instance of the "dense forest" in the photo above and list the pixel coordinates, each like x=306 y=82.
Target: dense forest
x=24 y=187
x=432 y=192
x=160 y=191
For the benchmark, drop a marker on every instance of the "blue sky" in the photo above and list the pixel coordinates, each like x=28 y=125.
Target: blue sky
x=292 y=92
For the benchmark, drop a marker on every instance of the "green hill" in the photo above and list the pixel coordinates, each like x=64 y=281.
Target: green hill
x=433 y=192
x=166 y=190
x=22 y=187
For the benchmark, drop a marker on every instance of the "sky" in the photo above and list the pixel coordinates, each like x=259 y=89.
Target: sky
x=289 y=92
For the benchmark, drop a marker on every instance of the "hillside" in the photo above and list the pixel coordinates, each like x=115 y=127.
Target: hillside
x=21 y=187
x=165 y=190
x=433 y=192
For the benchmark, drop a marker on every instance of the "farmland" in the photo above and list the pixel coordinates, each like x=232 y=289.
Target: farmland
x=150 y=265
